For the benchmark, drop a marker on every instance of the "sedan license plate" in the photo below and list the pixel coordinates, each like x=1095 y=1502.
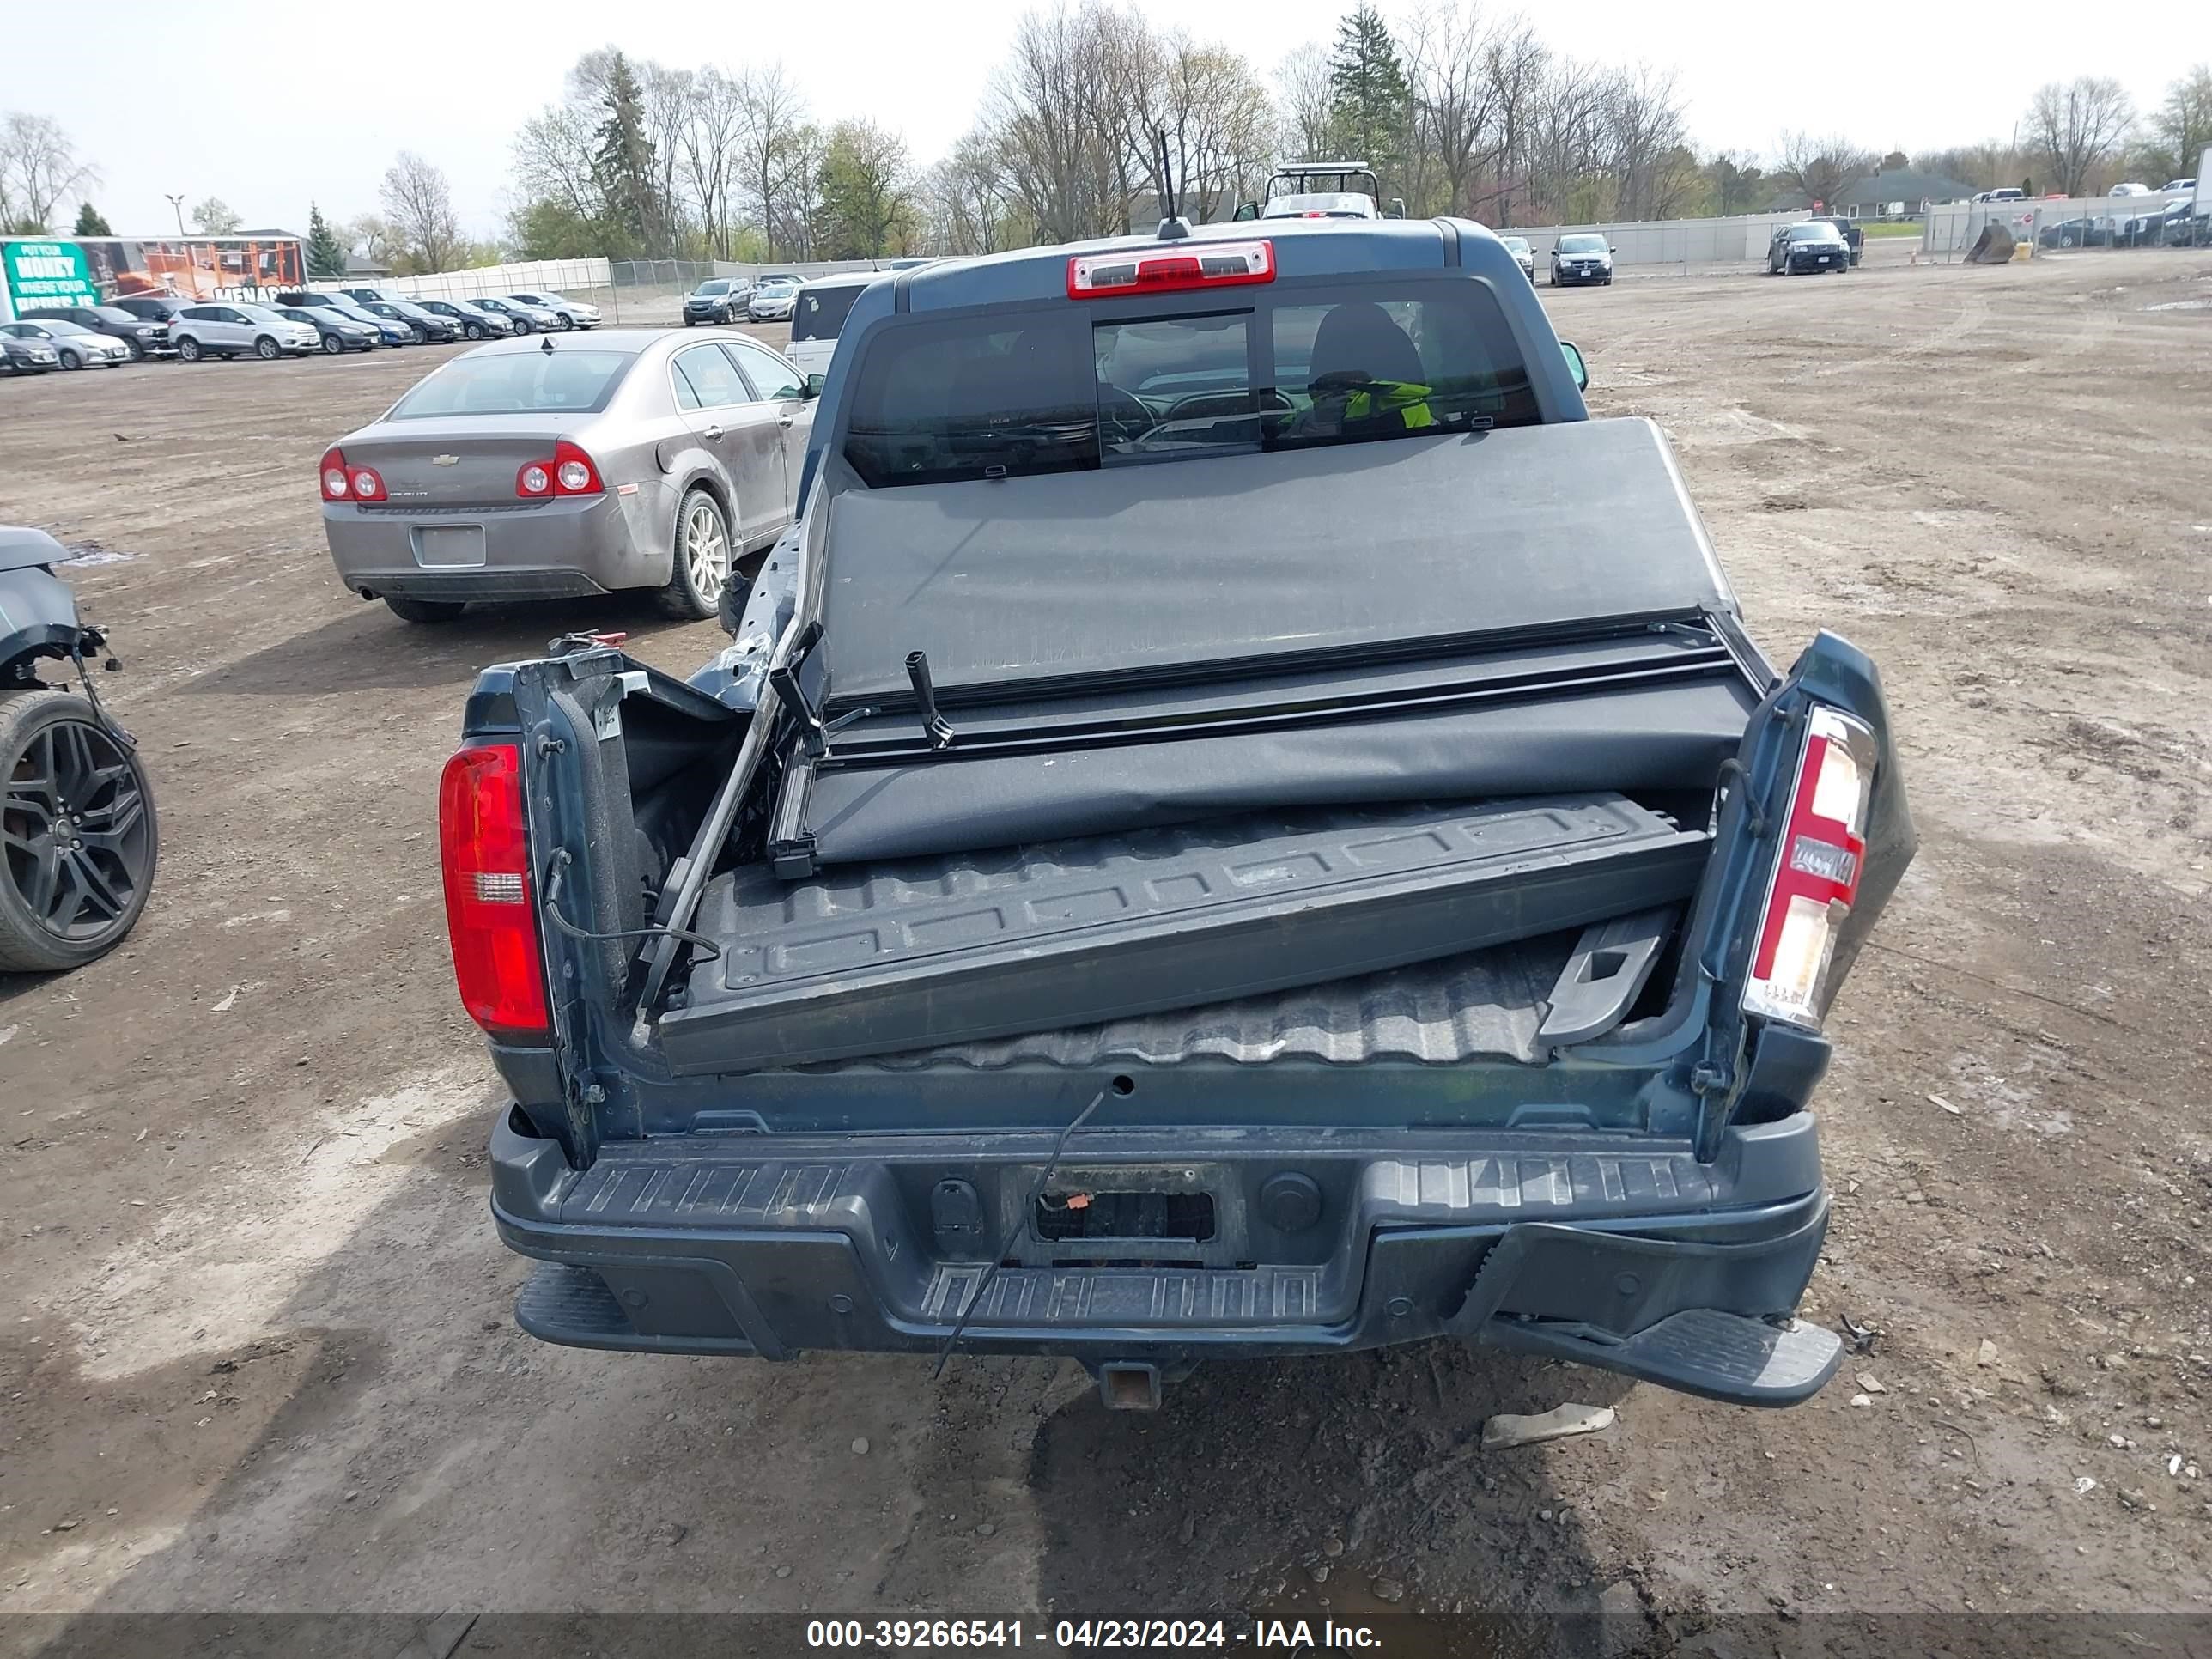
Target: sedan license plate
x=443 y=546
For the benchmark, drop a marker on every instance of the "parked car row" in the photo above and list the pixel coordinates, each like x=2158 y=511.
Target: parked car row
x=765 y=298
x=294 y=323
x=2181 y=224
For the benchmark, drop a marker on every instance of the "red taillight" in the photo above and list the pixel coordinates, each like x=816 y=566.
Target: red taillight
x=368 y=484
x=490 y=913
x=1816 y=870
x=573 y=473
x=337 y=481
x=570 y=473
x=1218 y=264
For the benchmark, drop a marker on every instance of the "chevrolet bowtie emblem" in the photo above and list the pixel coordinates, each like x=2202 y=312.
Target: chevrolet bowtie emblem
x=445 y=460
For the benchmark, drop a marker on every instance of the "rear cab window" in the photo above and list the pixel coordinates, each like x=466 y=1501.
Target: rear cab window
x=821 y=312
x=517 y=383
x=1069 y=388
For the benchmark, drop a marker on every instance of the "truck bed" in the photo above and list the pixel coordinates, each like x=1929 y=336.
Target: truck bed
x=1093 y=932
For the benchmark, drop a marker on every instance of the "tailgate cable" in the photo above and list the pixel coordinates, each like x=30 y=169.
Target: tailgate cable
x=557 y=872
x=1021 y=1218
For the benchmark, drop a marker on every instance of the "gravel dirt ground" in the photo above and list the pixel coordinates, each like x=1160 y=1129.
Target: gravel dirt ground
x=256 y=1353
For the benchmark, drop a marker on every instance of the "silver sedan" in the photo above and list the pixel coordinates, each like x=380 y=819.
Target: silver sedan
x=76 y=345
x=533 y=468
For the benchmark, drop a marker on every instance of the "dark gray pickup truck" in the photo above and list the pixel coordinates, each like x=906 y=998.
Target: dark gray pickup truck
x=1239 y=822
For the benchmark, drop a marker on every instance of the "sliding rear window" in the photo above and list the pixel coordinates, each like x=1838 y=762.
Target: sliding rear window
x=995 y=396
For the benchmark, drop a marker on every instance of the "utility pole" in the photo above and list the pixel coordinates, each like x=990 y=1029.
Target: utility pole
x=177 y=203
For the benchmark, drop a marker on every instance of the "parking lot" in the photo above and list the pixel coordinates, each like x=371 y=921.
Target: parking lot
x=258 y=1353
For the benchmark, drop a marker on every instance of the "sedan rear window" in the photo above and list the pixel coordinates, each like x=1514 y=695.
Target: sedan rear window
x=517 y=383
x=1055 y=390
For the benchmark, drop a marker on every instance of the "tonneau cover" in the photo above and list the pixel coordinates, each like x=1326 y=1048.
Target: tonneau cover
x=1170 y=565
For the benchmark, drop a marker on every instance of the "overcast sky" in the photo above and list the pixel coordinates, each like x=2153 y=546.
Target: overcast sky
x=221 y=97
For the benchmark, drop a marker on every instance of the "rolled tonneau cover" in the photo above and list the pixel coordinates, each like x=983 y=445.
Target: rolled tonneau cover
x=915 y=955
x=1189 y=564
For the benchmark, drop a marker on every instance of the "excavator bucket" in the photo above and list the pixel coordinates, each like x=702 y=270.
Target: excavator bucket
x=1994 y=246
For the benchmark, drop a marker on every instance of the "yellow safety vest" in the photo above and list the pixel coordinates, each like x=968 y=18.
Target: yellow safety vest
x=1403 y=399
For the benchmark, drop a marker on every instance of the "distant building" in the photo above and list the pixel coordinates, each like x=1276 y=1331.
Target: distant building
x=357 y=266
x=1892 y=194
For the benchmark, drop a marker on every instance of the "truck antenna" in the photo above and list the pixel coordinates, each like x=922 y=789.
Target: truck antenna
x=1174 y=228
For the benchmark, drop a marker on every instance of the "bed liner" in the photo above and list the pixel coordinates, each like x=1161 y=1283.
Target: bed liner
x=926 y=952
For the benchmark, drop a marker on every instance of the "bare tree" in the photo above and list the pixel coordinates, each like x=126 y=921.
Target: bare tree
x=553 y=159
x=776 y=155
x=2181 y=127
x=1066 y=155
x=1818 y=167
x=1302 y=89
x=708 y=142
x=1449 y=49
x=2078 y=128
x=38 y=167
x=968 y=198
x=1651 y=162
x=420 y=206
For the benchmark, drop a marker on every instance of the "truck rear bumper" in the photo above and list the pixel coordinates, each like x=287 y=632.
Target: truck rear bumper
x=1618 y=1251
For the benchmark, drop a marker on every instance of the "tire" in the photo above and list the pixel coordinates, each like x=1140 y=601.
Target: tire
x=188 y=350
x=697 y=573
x=522 y=325
x=138 y=351
x=54 y=749
x=472 y=331
x=688 y=323
x=566 y=322
x=267 y=349
x=424 y=611
x=335 y=344
x=71 y=360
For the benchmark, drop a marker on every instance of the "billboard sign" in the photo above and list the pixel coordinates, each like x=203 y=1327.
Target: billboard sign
x=40 y=271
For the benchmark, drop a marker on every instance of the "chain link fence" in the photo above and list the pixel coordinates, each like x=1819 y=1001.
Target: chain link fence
x=2067 y=225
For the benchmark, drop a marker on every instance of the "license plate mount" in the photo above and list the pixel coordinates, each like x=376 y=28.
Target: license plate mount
x=448 y=546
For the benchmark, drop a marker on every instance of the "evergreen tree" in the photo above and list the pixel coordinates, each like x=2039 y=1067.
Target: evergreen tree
x=89 y=223
x=623 y=160
x=326 y=255
x=1369 y=100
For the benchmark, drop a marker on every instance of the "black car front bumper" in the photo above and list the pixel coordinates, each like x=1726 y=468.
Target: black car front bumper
x=1580 y=276
x=1618 y=1250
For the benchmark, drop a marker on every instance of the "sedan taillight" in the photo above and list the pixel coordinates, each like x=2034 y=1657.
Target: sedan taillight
x=569 y=472
x=338 y=482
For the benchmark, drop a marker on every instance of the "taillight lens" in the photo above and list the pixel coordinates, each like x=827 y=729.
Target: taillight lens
x=570 y=473
x=1816 y=871
x=368 y=484
x=574 y=473
x=490 y=914
x=1217 y=265
x=338 y=482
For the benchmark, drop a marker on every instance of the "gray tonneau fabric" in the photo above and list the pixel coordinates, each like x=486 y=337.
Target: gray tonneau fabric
x=1653 y=737
x=1199 y=561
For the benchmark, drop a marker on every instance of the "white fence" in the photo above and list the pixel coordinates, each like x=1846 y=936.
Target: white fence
x=1680 y=242
x=492 y=280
